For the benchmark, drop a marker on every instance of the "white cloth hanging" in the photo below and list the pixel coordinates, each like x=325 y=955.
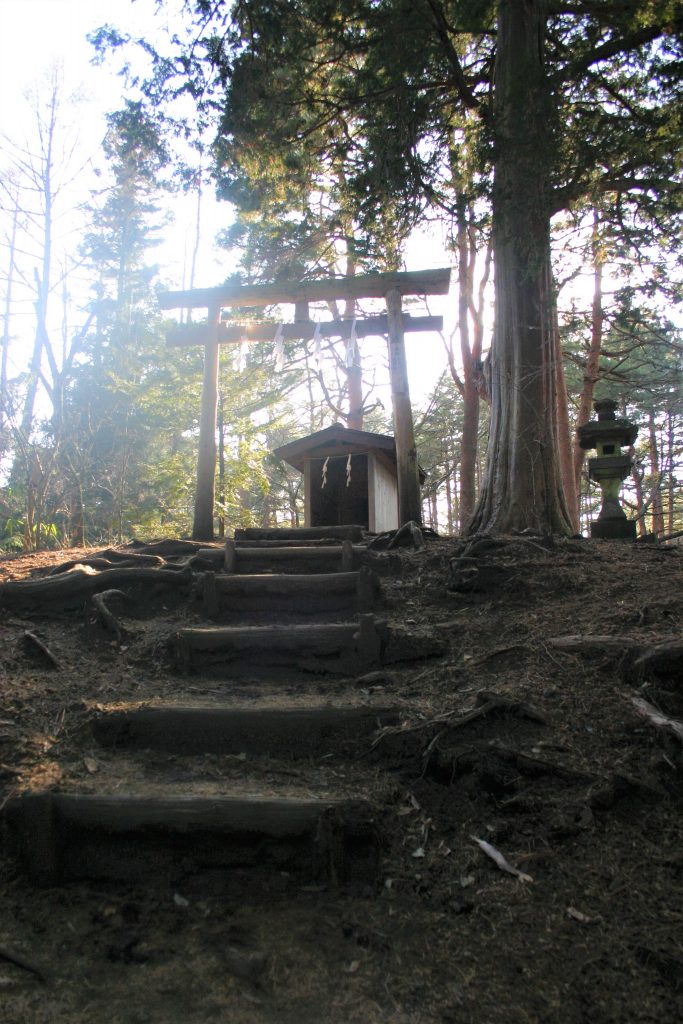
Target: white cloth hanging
x=279 y=342
x=348 y=471
x=324 y=472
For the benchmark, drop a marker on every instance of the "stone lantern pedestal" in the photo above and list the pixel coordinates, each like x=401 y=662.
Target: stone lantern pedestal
x=609 y=468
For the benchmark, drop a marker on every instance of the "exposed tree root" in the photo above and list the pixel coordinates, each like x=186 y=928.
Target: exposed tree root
x=36 y=644
x=105 y=617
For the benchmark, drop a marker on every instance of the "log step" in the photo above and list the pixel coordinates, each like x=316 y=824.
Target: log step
x=294 y=534
x=343 y=647
x=245 y=558
x=293 y=732
x=166 y=837
x=275 y=544
x=342 y=557
x=350 y=592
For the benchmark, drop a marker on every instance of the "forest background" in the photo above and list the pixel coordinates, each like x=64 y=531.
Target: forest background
x=255 y=141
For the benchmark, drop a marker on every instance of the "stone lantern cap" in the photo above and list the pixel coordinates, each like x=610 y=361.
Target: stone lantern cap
x=607 y=429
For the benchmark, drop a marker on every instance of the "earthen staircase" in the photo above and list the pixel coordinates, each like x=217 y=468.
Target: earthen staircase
x=229 y=790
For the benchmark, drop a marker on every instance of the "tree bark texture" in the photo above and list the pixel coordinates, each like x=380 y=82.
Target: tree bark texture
x=564 y=432
x=522 y=487
x=656 y=477
x=590 y=373
x=470 y=424
x=637 y=480
x=671 y=483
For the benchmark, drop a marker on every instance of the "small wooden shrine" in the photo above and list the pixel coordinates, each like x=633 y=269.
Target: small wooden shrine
x=350 y=476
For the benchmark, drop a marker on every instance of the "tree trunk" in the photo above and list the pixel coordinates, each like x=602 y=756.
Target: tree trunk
x=522 y=487
x=637 y=479
x=433 y=512
x=590 y=373
x=42 y=279
x=470 y=313
x=656 y=477
x=564 y=433
x=449 y=499
x=671 y=479
x=470 y=421
x=9 y=282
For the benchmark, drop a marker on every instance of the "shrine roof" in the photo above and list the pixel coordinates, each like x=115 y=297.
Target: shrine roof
x=334 y=440
x=338 y=440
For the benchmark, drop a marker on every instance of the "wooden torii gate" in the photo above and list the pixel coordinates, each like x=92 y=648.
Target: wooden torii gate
x=214 y=333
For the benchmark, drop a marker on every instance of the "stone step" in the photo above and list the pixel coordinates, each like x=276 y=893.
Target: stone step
x=336 y=647
x=293 y=732
x=166 y=836
x=294 y=534
x=324 y=593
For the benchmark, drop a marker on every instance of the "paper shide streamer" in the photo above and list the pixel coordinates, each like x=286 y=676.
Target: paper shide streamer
x=351 y=346
x=317 y=352
x=279 y=342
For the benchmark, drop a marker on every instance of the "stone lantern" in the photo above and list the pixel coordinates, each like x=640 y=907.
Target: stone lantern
x=608 y=435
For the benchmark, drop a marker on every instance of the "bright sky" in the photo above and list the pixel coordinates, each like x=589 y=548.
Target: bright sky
x=58 y=30
x=37 y=34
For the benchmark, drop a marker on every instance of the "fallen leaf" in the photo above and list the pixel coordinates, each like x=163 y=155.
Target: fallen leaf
x=179 y=900
x=91 y=765
x=352 y=967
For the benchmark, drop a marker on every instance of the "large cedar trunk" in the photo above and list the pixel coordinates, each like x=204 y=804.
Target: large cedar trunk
x=522 y=487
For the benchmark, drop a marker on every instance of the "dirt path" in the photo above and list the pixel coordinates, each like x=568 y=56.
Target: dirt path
x=504 y=738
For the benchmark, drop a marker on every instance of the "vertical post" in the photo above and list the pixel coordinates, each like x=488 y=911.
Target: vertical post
x=221 y=470
x=354 y=420
x=202 y=528
x=409 y=498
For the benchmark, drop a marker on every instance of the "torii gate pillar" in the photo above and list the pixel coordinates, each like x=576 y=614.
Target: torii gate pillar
x=408 y=471
x=202 y=528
